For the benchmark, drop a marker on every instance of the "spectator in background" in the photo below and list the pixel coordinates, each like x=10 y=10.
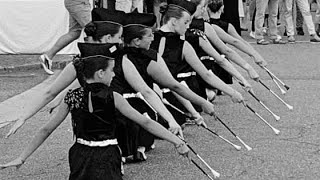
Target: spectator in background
x=304 y=7
x=261 y=6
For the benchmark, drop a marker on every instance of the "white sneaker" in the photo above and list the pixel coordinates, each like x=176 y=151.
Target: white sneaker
x=252 y=34
x=46 y=63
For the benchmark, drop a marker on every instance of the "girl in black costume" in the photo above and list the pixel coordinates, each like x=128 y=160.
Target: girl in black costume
x=95 y=154
x=227 y=32
x=136 y=71
x=107 y=33
x=179 y=55
x=198 y=23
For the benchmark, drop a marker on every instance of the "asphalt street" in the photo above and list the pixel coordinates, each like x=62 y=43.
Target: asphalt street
x=293 y=154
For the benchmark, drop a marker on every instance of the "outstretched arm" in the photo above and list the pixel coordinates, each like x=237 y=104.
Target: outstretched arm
x=192 y=59
x=150 y=125
x=231 y=54
x=238 y=43
x=65 y=78
x=41 y=136
x=159 y=71
x=256 y=56
x=133 y=77
x=224 y=63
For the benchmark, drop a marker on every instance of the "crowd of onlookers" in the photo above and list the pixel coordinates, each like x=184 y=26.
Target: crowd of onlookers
x=265 y=16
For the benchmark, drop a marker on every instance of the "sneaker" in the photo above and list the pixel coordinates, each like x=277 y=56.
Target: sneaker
x=314 y=38
x=262 y=42
x=300 y=31
x=291 y=40
x=46 y=63
x=278 y=40
x=252 y=34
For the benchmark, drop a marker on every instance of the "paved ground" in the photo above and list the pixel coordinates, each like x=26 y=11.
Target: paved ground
x=294 y=154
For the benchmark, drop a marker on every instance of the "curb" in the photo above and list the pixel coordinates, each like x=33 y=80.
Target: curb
x=55 y=65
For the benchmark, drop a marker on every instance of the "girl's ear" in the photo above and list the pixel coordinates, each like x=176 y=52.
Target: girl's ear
x=174 y=21
x=100 y=73
x=107 y=37
x=136 y=41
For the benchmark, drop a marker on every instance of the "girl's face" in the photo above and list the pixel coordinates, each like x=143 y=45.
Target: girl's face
x=117 y=38
x=146 y=39
x=201 y=8
x=108 y=73
x=181 y=25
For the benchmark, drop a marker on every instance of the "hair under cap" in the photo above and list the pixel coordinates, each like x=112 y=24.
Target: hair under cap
x=112 y=16
x=185 y=5
x=135 y=24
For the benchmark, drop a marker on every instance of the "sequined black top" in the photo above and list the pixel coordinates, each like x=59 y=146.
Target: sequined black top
x=99 y=124
x=141 y=59
x=172 y=53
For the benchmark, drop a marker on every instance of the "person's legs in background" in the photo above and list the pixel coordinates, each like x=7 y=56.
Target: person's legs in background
x=287 y=5
x=305 y=11
x=252 y=12
x=299 y=21
x=242 y=15
x=261 y=6
x=79 y=16
x=273 y=20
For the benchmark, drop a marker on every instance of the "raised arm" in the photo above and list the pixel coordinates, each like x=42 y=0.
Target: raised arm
x=192 y=59
x=65 y=78
x=231 y=54
x=159 y=71
x=152 y=126
x=41 y=136
x=133 y=77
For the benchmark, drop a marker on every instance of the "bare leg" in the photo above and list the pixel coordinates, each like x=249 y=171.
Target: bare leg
x=62 y=42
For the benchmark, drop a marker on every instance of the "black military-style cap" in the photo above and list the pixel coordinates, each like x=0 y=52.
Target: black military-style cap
x=139 y=19
x=105 y=15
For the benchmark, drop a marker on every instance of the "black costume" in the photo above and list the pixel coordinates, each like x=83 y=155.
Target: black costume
x=221 y=23
x=179 y=68
x=193 y=34
x=93 y=162
x=231 y=13
x=130 y=135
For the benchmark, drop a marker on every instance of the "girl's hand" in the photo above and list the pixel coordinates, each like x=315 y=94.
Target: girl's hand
x=183 y=149
x=175 y=128
x=237 y=97
x=199 y=120
x=15 y=163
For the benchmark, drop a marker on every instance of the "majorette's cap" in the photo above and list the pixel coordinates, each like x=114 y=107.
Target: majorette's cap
x=105 y=15
x=185 y=5
x=91 y=49
x=139 y=19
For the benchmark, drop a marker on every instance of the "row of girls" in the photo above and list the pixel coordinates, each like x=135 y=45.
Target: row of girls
x=114 y=103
